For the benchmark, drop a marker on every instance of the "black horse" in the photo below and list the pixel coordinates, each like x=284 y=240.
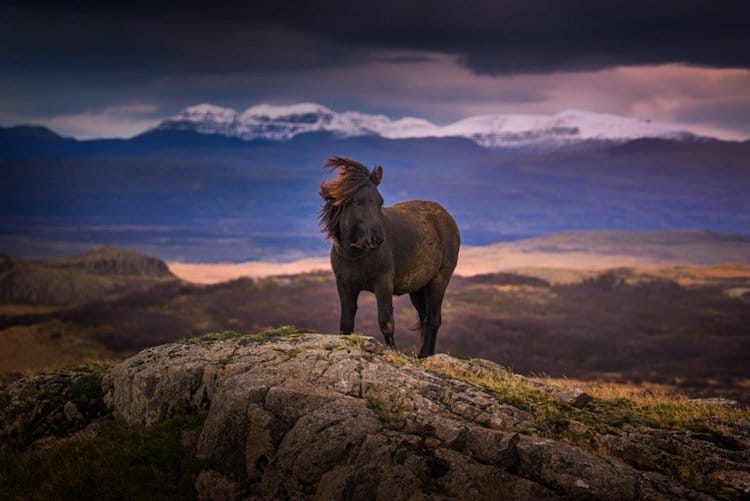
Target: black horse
x=408 y=247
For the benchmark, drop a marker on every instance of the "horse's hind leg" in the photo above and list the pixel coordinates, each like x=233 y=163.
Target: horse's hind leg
x=434 y=293
x=419 y=301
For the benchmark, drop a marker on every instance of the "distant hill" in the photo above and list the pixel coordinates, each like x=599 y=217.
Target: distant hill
x=688 y=247
x=70 y=280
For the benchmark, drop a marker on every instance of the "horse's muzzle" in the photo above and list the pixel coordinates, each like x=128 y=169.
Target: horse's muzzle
x=371 y=243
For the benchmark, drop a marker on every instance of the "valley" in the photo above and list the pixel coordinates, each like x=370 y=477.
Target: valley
x=684 y=328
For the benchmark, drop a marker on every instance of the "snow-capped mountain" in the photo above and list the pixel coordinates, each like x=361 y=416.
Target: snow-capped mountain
x=281 y=123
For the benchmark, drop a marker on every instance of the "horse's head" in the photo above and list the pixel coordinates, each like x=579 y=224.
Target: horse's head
x=352 y=210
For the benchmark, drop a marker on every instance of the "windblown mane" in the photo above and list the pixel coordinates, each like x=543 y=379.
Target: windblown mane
x=352 y=177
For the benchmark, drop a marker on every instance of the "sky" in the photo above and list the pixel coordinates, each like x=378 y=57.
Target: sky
x=99 y=69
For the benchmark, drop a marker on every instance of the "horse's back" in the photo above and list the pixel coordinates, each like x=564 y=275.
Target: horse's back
x=425 y=241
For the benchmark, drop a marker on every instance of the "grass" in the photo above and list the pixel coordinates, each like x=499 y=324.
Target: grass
x=120 y=462
x=619 y=403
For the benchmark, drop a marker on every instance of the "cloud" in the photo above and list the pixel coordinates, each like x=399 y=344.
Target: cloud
x=113 y=121
x=130 y=109
x=494 y=38
x=443 y=60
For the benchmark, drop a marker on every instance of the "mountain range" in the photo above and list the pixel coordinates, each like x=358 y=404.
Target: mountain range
x=281 y=123
x=195 y=189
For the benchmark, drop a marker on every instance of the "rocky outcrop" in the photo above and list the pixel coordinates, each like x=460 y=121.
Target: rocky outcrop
x=50 y=405
x=311 y=416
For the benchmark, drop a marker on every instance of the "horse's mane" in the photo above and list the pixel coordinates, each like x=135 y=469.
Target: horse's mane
x=336 y=193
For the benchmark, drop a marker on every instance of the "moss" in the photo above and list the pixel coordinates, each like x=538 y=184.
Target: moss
x=354 y=339
x=398 y=359
x=120 y=462
x=282 y=332
x=292 y=353
x=85 y=380
x=212 y=336
x=390 y=418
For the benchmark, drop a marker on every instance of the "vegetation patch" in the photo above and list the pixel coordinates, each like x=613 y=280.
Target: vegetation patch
x=398 y=359
x=292 y=352
x=390 y=418
x=119 y=462
x=612 y=406
x=283 y=332
x=354 y=339
x=212 y=336
x=85 y=390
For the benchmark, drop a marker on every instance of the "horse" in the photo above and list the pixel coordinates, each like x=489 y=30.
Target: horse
x=410 y=247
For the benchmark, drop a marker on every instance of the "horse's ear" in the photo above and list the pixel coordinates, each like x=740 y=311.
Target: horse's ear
x=377 y=175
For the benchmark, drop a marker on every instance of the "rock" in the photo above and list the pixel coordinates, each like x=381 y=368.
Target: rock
x=574 y=472
x=571 y=396
x=320 y=441
x=54 y=404
x=71 y=412
x=211 y=485
x=337 y=417
x=338 y=420
x=719 y=401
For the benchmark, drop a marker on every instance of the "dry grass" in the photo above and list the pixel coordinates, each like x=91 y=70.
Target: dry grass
x=656 y=405
x=27 y=309
x=49 y=346
x=698 y=275
x=614 y=404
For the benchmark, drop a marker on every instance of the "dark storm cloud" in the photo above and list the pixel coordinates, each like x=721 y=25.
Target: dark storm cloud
x=490 y=37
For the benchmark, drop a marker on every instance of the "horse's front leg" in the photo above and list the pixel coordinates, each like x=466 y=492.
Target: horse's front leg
x=348 y=298
x=384 y=296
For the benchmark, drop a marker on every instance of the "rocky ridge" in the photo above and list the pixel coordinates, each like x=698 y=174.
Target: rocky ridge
x=312 y=416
